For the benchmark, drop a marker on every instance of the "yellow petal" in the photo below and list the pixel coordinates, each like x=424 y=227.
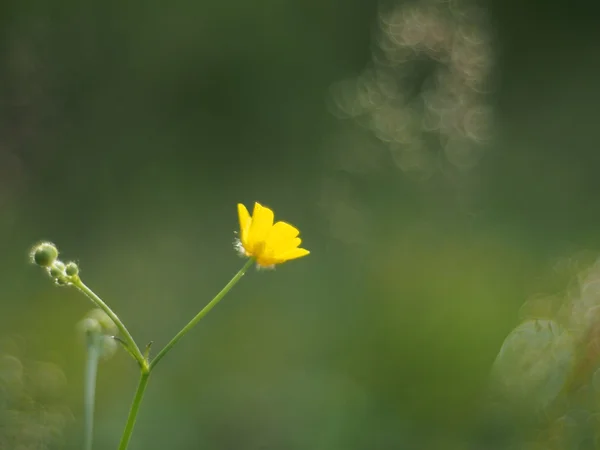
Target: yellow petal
x=293 y=254
x=262 y=222
x=281 y=231
x=285 y=246
x=266 y=261
x=245 y=222
x=268 y=243
x=285 y=229
x=281 y=247
x=281 y=237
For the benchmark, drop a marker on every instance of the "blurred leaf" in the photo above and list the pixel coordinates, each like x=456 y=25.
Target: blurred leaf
x=534 y=363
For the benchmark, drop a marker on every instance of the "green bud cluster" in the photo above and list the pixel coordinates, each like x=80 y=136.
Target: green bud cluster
x=45 y=254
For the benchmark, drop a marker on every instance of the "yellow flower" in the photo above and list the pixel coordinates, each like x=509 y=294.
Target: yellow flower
x=268 y=243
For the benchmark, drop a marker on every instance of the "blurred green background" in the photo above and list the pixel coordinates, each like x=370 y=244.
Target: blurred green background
x=130 y=130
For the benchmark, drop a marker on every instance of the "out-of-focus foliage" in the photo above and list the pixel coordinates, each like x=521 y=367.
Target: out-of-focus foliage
x=458 y=203
x=32 y=412
x=534 y=363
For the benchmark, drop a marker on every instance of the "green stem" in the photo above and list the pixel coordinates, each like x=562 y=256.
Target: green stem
x=135 y=407
x=237 y=277
x=135 y=351
x=89 y=393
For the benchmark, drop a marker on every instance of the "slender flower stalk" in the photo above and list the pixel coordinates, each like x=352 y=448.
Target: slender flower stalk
x=192 y=323
x=94 y=343
x=139 y=394
x=135 y=408
x=132 y=346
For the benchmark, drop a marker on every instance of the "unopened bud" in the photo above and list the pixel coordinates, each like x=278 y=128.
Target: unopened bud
x=109 y=347
x=90 y=326
x=44 y=254
x=71 y=269
x=57 y=270
x=61 y=281
x=108 y=326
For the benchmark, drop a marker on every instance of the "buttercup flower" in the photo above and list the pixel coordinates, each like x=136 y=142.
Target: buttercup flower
x=268 y=243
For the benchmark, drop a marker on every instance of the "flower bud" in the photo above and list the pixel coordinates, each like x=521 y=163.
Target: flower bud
x=106 y=323
x=61 y=281
x=90 y=326
x=44 y=254
x=71 y=269
x=57 y=270
x=109 y=347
